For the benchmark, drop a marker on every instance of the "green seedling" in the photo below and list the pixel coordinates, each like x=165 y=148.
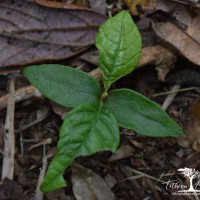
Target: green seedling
x=93 y=123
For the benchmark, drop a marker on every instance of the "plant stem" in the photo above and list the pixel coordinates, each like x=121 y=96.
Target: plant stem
x=103 y=96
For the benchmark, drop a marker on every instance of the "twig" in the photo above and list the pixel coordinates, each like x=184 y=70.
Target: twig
x=9 y=136
x=1 y=152
x=38 y=194
x=45 y=113
x=143 y=175
x=20 y=95
x=153 y=189
x=180 y=90
x=21 y=144
x=132 y=178
x=196 y=196
x=44 y=142
x=170 y=97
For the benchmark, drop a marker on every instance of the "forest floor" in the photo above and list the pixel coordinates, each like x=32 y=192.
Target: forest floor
x=144 y=168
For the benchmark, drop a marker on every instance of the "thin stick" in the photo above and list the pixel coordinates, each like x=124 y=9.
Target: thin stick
x=38 y=194
x=21 y=144
x=196 y=196
x=180 y=90
x=153 y=189
x=170 y=97
x=9 y=136
x=22 y=128
x=20 y=95
x=143 y=175
x=43 y=142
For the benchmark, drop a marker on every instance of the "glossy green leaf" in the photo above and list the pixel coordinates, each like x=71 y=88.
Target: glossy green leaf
x=86 y=129
x=134 y=111
x=65 y=85
x=119 y=45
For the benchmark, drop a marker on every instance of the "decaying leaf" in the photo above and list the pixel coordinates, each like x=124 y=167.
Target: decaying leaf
x=59 y=110
x=124 y=151
x=191 y=138
x=149 y=6
x=99 y=5
x=163 y=59
x=79 y=4
x=180 y=14
x=179 y=39
x=181 y=29
x=33 y=33
x=88 y=185
x=175 y=22
x=194 y=3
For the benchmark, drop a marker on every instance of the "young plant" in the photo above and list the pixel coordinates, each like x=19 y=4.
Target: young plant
x=93 y=123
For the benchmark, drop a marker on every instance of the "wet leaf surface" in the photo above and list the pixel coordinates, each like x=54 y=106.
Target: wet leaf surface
x=33 y=33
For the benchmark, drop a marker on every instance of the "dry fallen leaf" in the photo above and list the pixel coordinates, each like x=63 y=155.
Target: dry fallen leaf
x=173 y=7
x=79 y=4
x=162 y=58
x=59 y=110
x=187 y=46
x=194 y=3
x=99 y=5
x=191 y=138
x=33 y=33
x=88 y=185
x=179 y=26
x=124 y=151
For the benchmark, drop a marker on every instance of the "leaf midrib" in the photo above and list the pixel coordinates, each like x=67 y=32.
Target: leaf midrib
x=116 y=52
x=71 y=88
x=93 y=125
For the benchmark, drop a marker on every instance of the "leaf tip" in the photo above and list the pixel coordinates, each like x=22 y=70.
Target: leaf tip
x=178 y=131
x=49 y=186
